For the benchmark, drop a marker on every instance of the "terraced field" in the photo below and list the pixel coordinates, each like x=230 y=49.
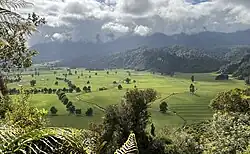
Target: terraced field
x=175 y=90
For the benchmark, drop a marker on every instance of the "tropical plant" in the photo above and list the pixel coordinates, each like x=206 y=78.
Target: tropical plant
x=129 y=147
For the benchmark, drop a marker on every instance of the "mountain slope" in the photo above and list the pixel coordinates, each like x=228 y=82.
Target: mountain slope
x=80 y=53
x=165 y=60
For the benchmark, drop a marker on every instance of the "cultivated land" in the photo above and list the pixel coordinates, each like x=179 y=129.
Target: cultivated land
x=192 y=108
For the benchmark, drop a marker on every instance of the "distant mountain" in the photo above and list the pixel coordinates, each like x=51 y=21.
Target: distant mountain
x=82 y=54
x=239 y=62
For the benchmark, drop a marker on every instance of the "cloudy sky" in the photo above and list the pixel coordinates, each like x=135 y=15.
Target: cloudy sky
x=109 y=19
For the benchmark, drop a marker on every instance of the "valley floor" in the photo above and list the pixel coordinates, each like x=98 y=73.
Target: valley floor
x=192 y=108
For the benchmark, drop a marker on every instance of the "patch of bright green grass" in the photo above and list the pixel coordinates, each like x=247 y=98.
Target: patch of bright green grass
x=192 y=108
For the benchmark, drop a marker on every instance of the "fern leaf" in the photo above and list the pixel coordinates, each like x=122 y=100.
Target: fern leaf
x=129 y=147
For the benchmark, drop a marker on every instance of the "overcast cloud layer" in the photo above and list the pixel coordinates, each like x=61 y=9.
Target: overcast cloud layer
x=109 y=19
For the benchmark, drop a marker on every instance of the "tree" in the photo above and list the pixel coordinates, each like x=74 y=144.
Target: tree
x=127 y=80
x=163 y=107
x=107 y=72
x=130 y=115
x=88 y=82
x=69 y=104
x=85 y=88
x=192 y=88
x=50 y=91
x=89 y=112
x=114 y=82
x=120 y=87
x=235 y=100
x=14 y=30
x=75 y=72
x=152 y=131
x=53 y=110
x=32 y=75
x=192 y=78
x=32 y=83
x=65 y=100
x=247 y=80
x=78 y=89
x=90 y=76
x=95 y=73
x=78 y=111
x=71 y=109
x=56 y=83
x=134 y=81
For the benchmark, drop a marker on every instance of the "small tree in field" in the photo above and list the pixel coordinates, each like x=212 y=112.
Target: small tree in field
x=53 y=110
x=78 y=89
x=95 y=73
x=56 y=83
x=89 y=112
x=90 y=76
x=88 y=82
x=75 y=72
x=78 y=111
x=120 y=87
x=163 y=107
x=192 y=88
x=192 y=78
x=127 y=80
x=107 y=72
x=32 y=83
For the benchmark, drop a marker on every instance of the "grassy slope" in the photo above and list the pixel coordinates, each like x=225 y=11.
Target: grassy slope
x=192 y=107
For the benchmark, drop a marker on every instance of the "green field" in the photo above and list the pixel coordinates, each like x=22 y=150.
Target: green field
x=193 y=108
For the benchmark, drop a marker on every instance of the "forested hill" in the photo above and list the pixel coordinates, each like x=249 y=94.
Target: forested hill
x=70 y=52
x=164 y=60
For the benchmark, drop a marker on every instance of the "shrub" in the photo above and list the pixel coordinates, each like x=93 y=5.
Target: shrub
x=163 y=107
x=114 y=82
x=95 y=73
x=90 y=76
x=89 y=112
x=88 y=82
x=53 y=110
x=134 y=81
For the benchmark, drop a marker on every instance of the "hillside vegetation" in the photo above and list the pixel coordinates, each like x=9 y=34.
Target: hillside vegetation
x=166 y=60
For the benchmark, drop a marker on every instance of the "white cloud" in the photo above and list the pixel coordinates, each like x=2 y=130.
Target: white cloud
x=142 y=30
x=84 y=19
x=115 y=27
x=58 y=36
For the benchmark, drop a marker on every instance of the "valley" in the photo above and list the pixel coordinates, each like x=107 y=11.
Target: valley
x=193 y=108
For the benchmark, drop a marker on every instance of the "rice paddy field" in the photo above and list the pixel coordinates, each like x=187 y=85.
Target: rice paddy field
x=192 y=108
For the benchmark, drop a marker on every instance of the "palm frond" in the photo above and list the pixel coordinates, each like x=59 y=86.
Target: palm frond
x=6 y=13
x=46 y=140
x=129 y=147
